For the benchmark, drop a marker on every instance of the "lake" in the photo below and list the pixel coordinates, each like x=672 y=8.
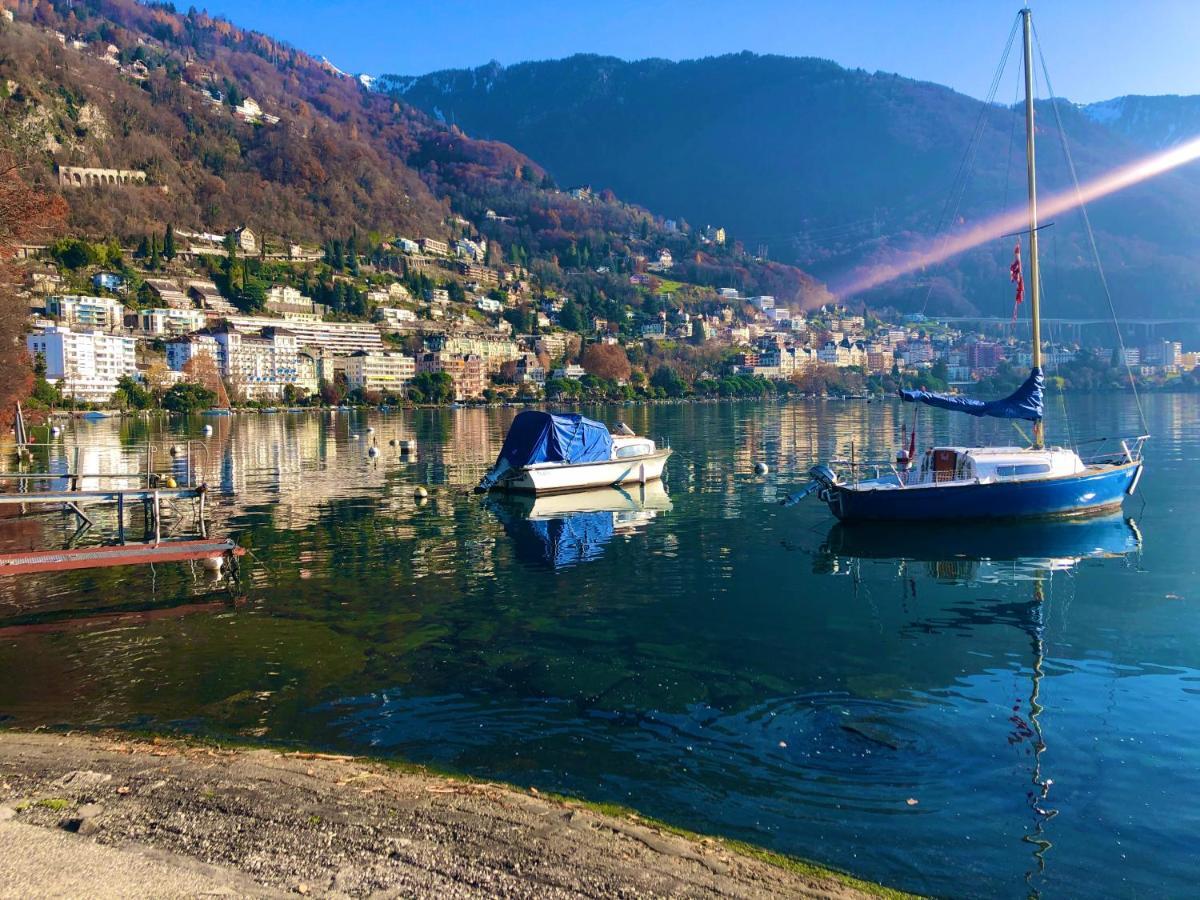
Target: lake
x=973 y=711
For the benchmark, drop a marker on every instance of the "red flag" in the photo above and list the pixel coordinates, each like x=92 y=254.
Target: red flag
x=1015 y=276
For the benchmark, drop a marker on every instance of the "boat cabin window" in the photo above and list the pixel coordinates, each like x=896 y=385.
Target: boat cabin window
x=632 y=450
x=1023 y=469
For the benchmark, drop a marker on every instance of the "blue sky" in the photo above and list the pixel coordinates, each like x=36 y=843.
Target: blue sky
x=1096 y=49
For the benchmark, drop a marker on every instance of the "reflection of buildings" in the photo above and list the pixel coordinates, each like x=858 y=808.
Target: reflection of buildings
x=289 y=461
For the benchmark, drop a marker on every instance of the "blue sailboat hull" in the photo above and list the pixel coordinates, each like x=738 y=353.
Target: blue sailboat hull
x=1091 y=492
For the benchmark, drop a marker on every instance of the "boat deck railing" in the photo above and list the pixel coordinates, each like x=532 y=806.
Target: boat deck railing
x=1112 y=450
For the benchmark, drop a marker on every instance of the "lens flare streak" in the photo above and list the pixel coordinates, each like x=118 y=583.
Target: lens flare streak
x=938 y=250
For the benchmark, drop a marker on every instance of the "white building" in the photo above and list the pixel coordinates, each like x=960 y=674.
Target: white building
x=386 y=371
x=571 y=372
x=258 y=365
x=396 y=317
x=170 y=321
x=86 y=365
x=188 y=347
x=86 y=312
x=335 y=338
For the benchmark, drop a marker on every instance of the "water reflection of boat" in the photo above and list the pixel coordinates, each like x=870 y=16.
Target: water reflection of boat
x=566 y=529
x=958 y=553
x=1049 y=539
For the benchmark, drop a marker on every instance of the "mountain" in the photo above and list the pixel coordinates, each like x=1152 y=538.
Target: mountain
x=233 y=127
x=1154 y=123
x=836 y=170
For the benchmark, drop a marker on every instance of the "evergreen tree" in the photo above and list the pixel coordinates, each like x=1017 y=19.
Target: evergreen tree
x=168 y=251
x=570 y=318
x=154 y=259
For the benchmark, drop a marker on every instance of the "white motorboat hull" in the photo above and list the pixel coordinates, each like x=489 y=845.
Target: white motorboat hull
x=556 y=478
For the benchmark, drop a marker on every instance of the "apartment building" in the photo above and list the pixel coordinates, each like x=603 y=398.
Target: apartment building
x=386 y=371
x=334 y=338
x=258 y=364
x=78 y=311
x=168 y=321
x=87 y=364
x=467 y=372
x=494 y=351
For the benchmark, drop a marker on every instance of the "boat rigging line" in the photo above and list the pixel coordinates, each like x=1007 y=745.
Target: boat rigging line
x=1087 y=224
x=966 y=166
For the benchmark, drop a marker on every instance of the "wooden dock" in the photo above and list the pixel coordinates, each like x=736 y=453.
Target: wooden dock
x=29 y=561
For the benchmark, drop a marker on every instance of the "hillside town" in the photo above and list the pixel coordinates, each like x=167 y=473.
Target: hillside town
x=434 y=322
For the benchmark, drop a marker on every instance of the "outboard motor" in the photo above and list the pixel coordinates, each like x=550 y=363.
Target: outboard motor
x=823 y=476
x=823 y=480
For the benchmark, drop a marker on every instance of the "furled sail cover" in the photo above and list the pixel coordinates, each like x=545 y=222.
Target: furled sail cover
x=1024 y=403
x=537 y=437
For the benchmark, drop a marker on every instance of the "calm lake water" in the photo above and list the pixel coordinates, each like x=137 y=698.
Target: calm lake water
x=966 y=711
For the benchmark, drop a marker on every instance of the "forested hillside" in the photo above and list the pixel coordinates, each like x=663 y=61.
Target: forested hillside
x=235 y=128
x=836 y=169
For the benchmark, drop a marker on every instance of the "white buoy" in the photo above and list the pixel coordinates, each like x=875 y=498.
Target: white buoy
x=354 y=437
x=207 y=430
x=176 y=450
x=407 y=446
x=55 y=431
x=370 y=429
x=213 y=563
x=373 y=452
x=420 y=493
x=761 y=468
x=393 y=443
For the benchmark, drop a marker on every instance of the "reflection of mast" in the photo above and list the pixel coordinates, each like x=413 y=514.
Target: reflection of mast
x=1041 y=785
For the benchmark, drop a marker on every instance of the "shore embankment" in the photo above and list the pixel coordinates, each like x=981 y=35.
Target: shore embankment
x=115 y=815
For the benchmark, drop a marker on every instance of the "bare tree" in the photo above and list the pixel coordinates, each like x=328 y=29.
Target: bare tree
x=26 y=214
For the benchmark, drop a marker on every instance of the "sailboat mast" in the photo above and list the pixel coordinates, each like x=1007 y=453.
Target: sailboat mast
x=1031 y=173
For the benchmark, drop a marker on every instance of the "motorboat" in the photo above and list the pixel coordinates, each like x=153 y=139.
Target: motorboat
x=547 y=453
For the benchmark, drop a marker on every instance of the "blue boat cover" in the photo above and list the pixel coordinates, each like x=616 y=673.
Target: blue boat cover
x=1023 y=403
x=537 y=437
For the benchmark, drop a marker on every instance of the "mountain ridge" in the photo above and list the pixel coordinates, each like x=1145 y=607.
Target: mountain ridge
x=832 y=169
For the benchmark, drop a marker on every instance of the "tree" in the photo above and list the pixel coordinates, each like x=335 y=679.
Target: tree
x=168 y=250
x=669 y=381
x=74 y=253
x=606 y=361
x=44 y=393
x=187 y=397
x=519 y=318
x=433 y=387
x=158 y=379
x=698 y=336
x=253 y=295
x=25 y=214
x=570 y=318
x=130 y=394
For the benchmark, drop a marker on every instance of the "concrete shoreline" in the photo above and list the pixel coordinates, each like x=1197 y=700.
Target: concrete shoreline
x=110 y=815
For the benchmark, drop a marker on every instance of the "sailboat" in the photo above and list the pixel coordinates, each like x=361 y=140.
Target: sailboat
x=949 y=483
